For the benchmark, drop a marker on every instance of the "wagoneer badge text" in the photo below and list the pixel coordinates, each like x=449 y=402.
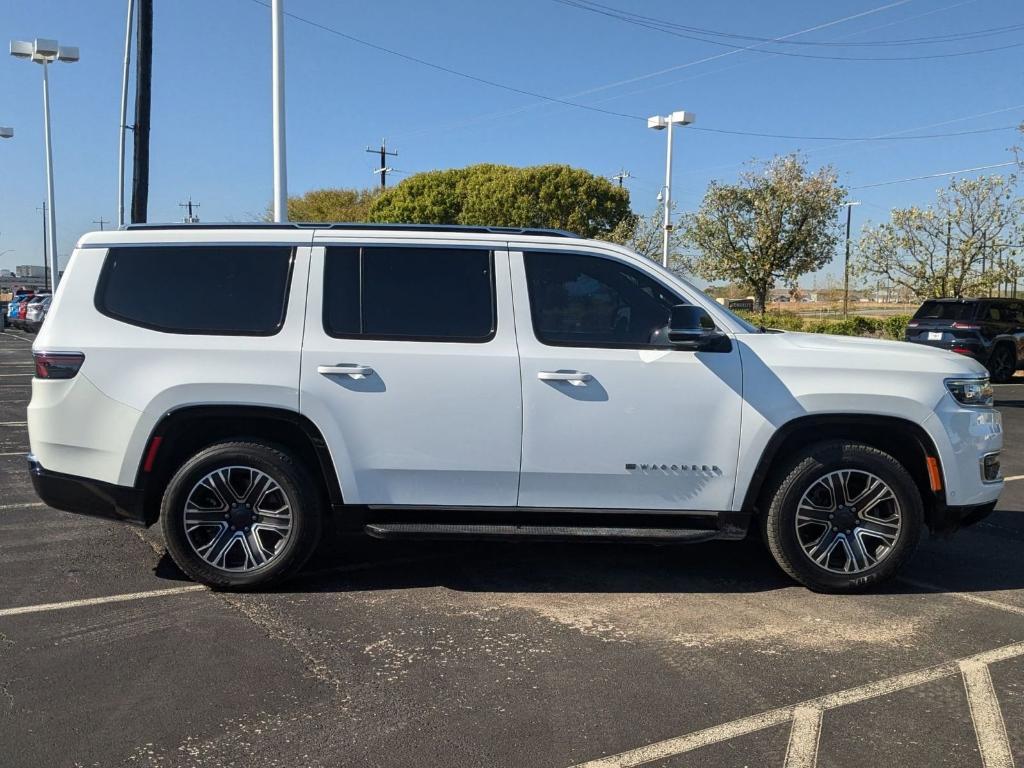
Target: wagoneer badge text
x=706 y=469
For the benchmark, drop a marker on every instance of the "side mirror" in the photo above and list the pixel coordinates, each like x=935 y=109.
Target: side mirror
x=691 y=327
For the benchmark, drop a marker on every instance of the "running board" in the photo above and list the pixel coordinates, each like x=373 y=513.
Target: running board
x=491 y=531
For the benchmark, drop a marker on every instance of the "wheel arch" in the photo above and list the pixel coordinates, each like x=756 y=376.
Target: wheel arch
x=182 y=432
x=906 y=441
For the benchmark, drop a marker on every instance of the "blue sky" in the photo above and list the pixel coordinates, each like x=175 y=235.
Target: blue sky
x=211 y=97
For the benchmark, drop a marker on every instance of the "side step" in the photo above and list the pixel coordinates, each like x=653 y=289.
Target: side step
x=491 y=531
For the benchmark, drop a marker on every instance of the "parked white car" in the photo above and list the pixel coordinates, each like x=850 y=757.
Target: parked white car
x=239 y=383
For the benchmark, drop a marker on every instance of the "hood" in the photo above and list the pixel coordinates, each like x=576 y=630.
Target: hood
x=862 y=354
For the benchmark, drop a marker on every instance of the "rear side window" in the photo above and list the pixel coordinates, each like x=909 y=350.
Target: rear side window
x=412 y=294
x=946 y=310
x=220 y=290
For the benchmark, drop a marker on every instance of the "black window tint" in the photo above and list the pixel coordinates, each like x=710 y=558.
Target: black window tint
x=946 y=310
x=444 y=294
x=203 y=289
x=341 y=292
x=579 y=300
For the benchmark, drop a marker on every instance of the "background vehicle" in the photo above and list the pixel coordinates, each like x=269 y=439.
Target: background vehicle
x=14 y=306
x=989 y=330
x=22 y=320
x=477 y=382
x=36 y=312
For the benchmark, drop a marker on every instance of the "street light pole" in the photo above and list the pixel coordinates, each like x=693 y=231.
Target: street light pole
x=667 y=227
x=124 y=113
x=45 y=52
x=280 y=163
x=657 y=122
x=49 y=178
x=846 y=263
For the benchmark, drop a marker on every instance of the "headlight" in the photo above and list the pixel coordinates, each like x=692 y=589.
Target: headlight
x=971 y=391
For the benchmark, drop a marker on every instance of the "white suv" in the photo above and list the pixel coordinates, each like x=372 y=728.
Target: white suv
x=240 y=383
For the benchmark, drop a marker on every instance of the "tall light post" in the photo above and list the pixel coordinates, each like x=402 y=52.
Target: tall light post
x=657 y=122
x=123 y=125
x=45 y=52
x=280 y=163
x=846 y=262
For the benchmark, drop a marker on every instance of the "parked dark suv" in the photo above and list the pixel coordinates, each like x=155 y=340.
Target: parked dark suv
x=989 y=330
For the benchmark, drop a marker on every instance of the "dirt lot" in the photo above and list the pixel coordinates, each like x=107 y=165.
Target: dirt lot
x=388 y=654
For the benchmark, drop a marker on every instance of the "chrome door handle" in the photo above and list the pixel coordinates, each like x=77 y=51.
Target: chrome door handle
x=576 y=378
x=344 y=369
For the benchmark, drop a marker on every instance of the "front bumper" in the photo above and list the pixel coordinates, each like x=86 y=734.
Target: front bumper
x=85 y=496
x=946 y=519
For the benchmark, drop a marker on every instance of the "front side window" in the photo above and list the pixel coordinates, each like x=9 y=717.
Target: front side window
x=588 y=301
x=409 y=293
x=221 y=290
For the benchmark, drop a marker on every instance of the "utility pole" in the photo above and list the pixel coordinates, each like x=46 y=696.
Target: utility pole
x=384 y=154
x=191 y=218
x=846 y=262
x=143 y=100
x=622 y=176
x=101 y=221
x=46 y=261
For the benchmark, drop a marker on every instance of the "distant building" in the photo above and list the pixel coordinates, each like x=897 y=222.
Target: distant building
x=30 y=270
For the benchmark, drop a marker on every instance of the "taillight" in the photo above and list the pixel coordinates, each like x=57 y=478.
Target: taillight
x=966 y=326
x=57 y=365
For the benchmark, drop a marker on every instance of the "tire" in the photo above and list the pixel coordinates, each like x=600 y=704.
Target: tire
x=1002 y=364
x=870 y=544
x=225 y=541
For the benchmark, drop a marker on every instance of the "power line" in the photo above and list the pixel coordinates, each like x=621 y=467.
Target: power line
x=596 y=7
x=934 y=175
x=661 y=27
x=101 y=221
x=591 y=108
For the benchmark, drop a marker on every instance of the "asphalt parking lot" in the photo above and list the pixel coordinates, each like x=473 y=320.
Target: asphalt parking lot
x=388 y=654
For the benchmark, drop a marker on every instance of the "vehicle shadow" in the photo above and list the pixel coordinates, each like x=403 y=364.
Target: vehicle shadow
x=357 y=563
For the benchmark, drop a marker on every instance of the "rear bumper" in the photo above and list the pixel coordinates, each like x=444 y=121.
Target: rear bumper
x=968 y=347
x=85 y=496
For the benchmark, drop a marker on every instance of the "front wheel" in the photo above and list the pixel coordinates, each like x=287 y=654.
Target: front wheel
x=240 y=515
x=845 y=516
x=1002 y=364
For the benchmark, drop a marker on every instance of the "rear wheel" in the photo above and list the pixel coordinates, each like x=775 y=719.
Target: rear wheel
x=843 y=517
x=241 y=515
x=1002 y=364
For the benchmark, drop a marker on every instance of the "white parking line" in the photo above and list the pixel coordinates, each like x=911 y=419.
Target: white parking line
x=719 y=733
x=989 y=726
x=22 y=506
x=11 y=375
x=13 y=423
x=987 y=602
x=1013 y=477
x=44 y=607
x=15 y=453
x=804 y=737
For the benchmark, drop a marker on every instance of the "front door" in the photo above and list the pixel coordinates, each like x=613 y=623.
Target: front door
x=410 y=370
x=612 y=417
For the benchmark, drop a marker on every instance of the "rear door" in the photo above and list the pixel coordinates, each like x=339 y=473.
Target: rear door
x=411 y=372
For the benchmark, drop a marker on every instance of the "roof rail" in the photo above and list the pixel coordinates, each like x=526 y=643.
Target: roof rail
x=365 y=226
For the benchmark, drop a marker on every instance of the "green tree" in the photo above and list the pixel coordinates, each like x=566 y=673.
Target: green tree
x=556 y=196
x=961 y=245
x=643 y=234
x=330 y=204
x=777 y=223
